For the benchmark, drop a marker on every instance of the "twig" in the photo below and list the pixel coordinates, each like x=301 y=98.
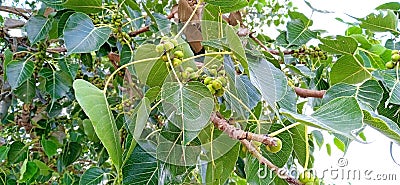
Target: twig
x=274 y=52
x=244 y=137
x=239 y=134
x=304 y=93
x=255 y=153
x=17 y=11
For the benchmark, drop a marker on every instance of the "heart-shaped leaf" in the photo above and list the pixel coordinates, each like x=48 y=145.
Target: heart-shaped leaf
x=37 y=28
x=18 y=71
x=341 y=115
x=58 y=83
x=342 y=45
x=93 y=176
x=382 y=22
x=81 y=36
x=349 y=69
x=187 y=106
x=298 y=33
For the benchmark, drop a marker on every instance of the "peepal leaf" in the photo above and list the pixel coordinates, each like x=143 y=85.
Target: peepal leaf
x=341 y=115
x=382 y=124
x=142 y=69
x=58 y=83
x=342 y=45
x=269 y=80
x=369 y=94
x=92 y=176
x=94 y=104
x=298 y=33
x=92 y=6
x=37 y=28
x=349 y=69
x=18 y=71
x=382 y=22
x=188 y=107
x=81 y=36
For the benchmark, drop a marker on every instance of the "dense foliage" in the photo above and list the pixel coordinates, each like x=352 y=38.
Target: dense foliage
x=154 y=92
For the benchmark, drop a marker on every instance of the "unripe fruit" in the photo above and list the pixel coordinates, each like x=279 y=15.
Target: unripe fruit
x=213 y=72
x=178 y=54
x=219 y=92
x=193 y=76
x=222 y=80
x=185 y=75
x=214 y=66
x=164 y=58
x=168 y=46
x=189 y=69
x=395 y=57
x=176 y=62
x=217 y=84
x=208 y=80
x=306 y=177
x=277 y=148
x=174 y=41
x=395 y=52
x=210 y=87
x=160 y=48
x=389 y=65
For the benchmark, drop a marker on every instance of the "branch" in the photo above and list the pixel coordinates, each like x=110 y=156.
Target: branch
x=236 y=133
x=274 y=52
x=244 y=137
x=17 y=11
x=304 y=93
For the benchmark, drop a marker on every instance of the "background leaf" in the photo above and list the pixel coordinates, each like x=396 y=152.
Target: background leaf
x=37 y=28
x=92 y=176
x=92 y=6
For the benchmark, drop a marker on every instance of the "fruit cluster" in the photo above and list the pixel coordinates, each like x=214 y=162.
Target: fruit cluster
x=169 y=47
x=308 y=178
x=312 y=52
x=395 y=59
x=40 y=57
x=215 y=80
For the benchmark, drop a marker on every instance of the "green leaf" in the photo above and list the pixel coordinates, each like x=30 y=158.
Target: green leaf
x=392 y=82
x=37 y=28
x=18 y=71
x=8 y=56
x=142 y=69
x=70 y=153
x=270 y=81
x=92 y=6
x=43 y=168
x=382 y=22
x=298 y=33
x=69 y=66
x=58 y=83
x=95 y=105
x=280 y=158
x=289 y=101
x=93 y=176
x=241 y=87
x=141 y=166
x=28 y=170
x=187 y=104
x=344 y=121
x=137 y=122
x=227 y=6
x=49 y=147
x=300 y=147
x=368 y=95
x=257 y=173
x=17 y=152
x=342 y=45
x=153 y=93
x=382 y=124
x=220 y=169
x=81 y=36
x=339 y=144
x=89 y=130
x=236 y=47
x=319 y=138
x=3 y=152
x=126 y=54
x=27 y=91
x=349 y=69
x=389 y=6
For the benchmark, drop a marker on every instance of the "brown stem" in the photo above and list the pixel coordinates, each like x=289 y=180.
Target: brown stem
x=17 y=11
x=304 y=93
x=244 y=137
x=274 y=52
x=239 y=134
x=279 y=171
